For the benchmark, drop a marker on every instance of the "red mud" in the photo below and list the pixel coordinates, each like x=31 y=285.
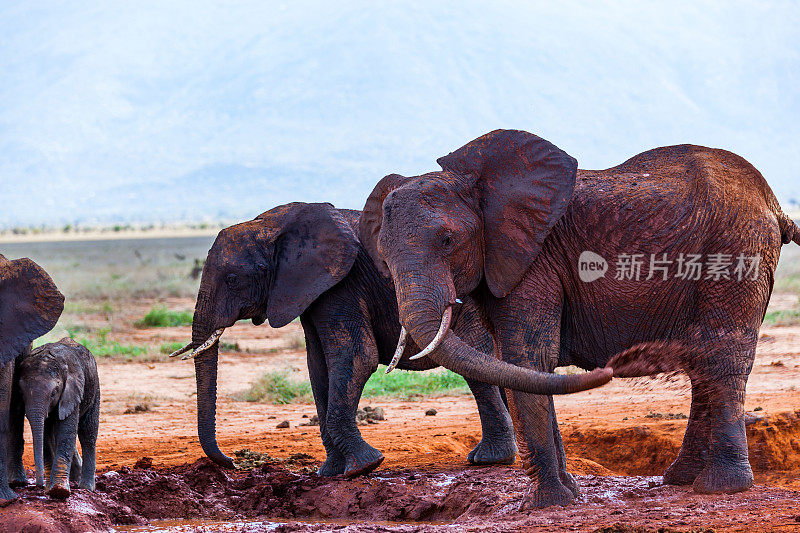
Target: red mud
x=474 y=499
x=627 y=428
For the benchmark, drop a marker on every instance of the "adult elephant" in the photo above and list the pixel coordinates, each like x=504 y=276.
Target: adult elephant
x=511 y=222
x=306 y=260
x=30 y=305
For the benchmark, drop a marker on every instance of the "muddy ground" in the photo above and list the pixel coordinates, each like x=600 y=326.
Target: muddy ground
x=619 y=439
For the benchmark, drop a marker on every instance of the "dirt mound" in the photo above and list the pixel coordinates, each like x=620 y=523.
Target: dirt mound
x=400 y=500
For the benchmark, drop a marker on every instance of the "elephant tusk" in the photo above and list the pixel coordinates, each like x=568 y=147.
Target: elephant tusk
x=437 y=340
x=182 y=350
x=206 y=345
x=398 y=353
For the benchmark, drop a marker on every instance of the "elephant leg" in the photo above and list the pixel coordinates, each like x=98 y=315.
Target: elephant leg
x=727 y=468
x=75 y=468
x=529 y=336
x=6 y=382
x=565 y=477
x=693 y=455
x=535 y=438
x=497 y=445
x=720 y=373
x=334 y=464
x=48 y=446
x=65 y=432
x=87 y=435
x=352 y=357
x=16 y=444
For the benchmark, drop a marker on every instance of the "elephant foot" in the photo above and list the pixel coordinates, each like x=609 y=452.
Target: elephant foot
x=334 y=465
x=75 y=469
x=59 y=491
x=545 y=495
x=363 y=462
x=683 y=471
x=569 y=481
x=493 y=452
x=17 y=477
x=726 y=479
x=87 y=485
x=6 y=494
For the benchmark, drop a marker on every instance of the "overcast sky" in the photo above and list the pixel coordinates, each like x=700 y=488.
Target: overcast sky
x=188 y=110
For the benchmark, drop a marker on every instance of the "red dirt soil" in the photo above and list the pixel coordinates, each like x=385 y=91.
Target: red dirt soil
x=617 y=438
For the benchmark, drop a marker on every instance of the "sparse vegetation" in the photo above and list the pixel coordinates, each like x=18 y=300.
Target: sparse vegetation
x=169 y=347
x=277 y=388
x=103 y=347
x=783 y=318
x=280 y=388
x=409 y=384
x=161 y=317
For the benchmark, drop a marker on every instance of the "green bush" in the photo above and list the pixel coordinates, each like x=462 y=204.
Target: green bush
x=783 y=318
x=161 y=317
x=102 y=347
x=277 y=388
x=410 y=384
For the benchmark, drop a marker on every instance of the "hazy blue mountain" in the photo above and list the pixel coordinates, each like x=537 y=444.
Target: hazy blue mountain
x=139 y=111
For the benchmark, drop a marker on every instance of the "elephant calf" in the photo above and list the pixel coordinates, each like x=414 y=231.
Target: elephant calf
x=60 y=391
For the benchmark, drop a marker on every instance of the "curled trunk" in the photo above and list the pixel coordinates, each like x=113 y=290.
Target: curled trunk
x=421 y=308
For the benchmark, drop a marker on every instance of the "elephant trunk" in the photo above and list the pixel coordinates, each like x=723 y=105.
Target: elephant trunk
x=422 y=306
x=36 y=420
x=205 y=365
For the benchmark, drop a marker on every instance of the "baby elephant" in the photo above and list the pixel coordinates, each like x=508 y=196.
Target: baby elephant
x=60 y=388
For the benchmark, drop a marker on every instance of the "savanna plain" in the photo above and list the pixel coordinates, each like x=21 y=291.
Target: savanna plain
x=130 y=302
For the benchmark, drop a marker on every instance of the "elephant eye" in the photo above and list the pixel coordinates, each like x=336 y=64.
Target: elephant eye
x=230 y=279
x=447 y=240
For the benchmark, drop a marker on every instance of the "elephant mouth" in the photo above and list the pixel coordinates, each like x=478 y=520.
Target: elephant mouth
x=259 y=319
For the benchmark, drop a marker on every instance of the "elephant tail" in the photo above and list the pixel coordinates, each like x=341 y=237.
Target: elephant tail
x=789 y=230
x=651 y=358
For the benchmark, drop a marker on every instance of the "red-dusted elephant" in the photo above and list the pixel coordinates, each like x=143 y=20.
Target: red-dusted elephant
x=511 y=222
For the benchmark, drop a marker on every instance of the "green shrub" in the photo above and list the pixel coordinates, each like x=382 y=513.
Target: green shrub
x=161 y=317
x=783 y=318
x=103 y=347
x=169 y=347
x=276 y=387
x=409 y=384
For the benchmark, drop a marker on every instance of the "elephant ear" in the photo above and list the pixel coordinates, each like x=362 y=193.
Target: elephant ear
x=73 y=390
x=30 y=305
x=369 y=225
x=525 y=184
x=315 y=248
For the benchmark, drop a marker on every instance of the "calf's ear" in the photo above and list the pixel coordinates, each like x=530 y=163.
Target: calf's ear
x=73 y=392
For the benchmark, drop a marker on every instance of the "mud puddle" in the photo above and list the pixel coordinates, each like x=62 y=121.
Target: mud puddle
x=272 y=497
x=259 y=526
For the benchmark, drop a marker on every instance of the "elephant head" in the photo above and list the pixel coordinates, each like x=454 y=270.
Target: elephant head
x=30 y=305
x=49 y=383
x=484 y=217
x=270 y=268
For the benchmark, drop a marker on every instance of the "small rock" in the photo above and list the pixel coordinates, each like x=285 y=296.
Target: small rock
x=431 y=412
x=283 y=425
